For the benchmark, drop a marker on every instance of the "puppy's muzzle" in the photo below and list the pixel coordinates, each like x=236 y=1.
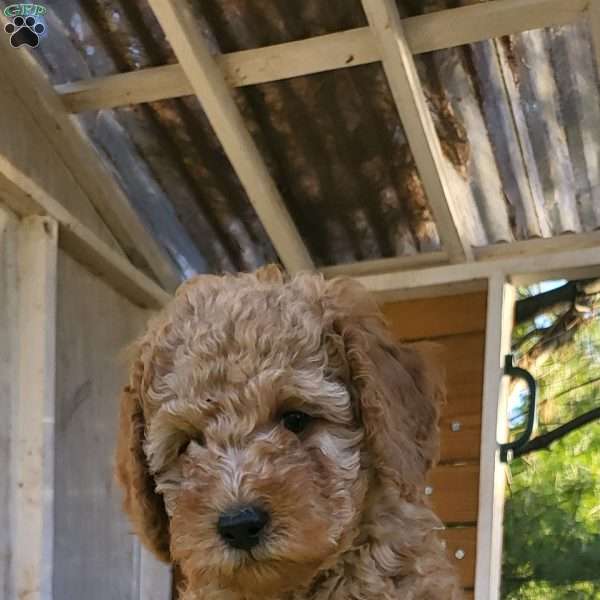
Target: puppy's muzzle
x=242 y=528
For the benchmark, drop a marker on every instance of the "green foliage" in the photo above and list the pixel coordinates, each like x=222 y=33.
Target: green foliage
x=552 y=514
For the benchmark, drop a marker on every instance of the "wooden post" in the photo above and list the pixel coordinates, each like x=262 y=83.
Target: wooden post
x=33 y=413
x=500 y=310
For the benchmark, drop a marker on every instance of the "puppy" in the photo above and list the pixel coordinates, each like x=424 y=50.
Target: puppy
x=274 y=442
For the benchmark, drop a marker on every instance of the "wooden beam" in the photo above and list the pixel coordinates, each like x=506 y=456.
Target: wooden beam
x=248 y=67
x=32 y=443
x=385 y=265
x=539 y=246
x=26 y=198
x=424 y=33
x=89 y=175
x=500 y=313
x=401 y=72
x=214 y=94
x=444 y=280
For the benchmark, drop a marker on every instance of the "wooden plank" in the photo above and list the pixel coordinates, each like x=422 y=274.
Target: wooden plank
x=492 y=477
x=26 y=198
x=214 y=95
x=95 y=554
x=385 y=265
x=463 y=358
x=401 y=73
x=79 y=158
x=424 y=33
x=32 y=452
x=563 y=263
x=461 y=546
x=460 y=423
x=436 y=317
x=453 y=492
x=9 y=304
x=460 y=438
x=460 y=321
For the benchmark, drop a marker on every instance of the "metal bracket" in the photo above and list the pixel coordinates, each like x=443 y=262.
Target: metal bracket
x=507 y=450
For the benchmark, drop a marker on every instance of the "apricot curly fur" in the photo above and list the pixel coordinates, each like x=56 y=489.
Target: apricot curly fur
x=200 y=432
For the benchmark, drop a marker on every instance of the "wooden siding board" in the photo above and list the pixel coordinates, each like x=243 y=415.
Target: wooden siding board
x=95 y=551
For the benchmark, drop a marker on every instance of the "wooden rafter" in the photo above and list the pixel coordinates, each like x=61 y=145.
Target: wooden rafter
x=65 y=138
x=214 y=95
x=424 y=33
x=416 y=118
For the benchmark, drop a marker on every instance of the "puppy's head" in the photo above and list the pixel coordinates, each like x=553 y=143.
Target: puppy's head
x=259 y=414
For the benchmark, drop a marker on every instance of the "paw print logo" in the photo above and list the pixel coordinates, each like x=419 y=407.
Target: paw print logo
x=24 y=31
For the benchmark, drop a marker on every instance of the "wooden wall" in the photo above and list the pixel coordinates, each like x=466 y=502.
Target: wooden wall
x=95 y=555
x=457 y=323
x=62 y=334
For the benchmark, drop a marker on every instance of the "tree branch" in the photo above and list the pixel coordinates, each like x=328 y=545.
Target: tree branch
x=544 y=441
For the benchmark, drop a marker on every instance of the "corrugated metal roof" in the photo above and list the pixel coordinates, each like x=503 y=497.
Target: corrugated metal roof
x=518 y=118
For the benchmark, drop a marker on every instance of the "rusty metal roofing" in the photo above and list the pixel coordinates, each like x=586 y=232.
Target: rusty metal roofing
x=518 y=119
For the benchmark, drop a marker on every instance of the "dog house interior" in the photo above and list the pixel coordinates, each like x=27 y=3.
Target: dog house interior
x=441 y=152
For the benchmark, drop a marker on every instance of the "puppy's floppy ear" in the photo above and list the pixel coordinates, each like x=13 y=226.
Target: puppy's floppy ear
x=397 y=391
x=143 y=505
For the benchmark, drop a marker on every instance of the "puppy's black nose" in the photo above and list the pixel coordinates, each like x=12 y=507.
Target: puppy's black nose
x=241 y=527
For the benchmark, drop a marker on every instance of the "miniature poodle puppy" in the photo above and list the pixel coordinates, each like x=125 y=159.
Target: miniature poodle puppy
x=274 y=441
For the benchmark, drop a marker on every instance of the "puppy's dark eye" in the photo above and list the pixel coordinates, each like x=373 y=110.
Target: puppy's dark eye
x=296 y=421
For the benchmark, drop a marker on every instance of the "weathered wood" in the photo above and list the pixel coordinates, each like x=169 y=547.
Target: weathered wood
x=419 y=129
x=577 y=83
x=537 y=87
x=507 y=131
x=454 y=493
x=33 y=424
x=492 y=476
x=95 y=554
x=25 y=197
x=63 y=143
x=461 y=546
x=9 y=304
x=483 y=201
x=424 y=33
x=214 y=95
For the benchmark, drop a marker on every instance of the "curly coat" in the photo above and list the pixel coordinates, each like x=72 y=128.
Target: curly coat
x=200 y=430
